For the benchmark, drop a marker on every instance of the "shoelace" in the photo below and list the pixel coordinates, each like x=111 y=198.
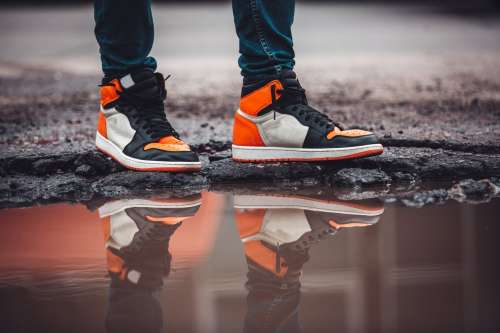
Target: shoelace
x=295 y=98
x=150 y=112
x=313 y=238
x=150 y=234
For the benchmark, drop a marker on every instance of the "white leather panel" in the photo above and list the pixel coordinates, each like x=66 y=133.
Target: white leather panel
x=122 y=230
x=282 y=226
x=118 y=128
x=279 y=130
x=284 y=131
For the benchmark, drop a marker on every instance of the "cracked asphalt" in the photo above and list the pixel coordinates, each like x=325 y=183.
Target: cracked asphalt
x=427 y=83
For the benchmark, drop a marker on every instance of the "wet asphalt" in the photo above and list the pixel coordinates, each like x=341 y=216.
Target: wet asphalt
x=427 y=83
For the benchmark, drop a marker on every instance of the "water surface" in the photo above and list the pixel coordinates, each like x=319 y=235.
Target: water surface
x=258 y=262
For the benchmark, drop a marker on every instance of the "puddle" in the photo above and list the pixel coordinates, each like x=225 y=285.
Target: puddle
x=258 y=262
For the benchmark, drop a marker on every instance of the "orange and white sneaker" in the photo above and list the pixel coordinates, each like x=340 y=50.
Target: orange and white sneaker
x=275 y=123
x=134 y=130
x=276 y=228
x=137 y=234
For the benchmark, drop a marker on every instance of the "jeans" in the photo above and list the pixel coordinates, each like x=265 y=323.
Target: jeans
x=125 y=32
x=272 y=303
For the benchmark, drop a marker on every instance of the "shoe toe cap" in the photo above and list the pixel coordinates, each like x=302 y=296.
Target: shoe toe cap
x=166 y=156
x=367 y=138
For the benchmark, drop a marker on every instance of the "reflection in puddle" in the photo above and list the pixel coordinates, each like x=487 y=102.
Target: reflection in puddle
x=277 y=233
x=256 y=262
x=137 y=234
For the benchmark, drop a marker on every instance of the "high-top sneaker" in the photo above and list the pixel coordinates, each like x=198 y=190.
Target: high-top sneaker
x=277 y=232
x=276 y=123
x=134 y=130
x=137 y=234
x=270 y=225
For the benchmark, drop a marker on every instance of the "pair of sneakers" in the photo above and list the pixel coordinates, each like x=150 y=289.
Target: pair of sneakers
x=273 y=123
x=276 y=230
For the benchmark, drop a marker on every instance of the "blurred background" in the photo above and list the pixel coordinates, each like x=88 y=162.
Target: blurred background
x=423 y=71
x=452 y=4
x=58 y=35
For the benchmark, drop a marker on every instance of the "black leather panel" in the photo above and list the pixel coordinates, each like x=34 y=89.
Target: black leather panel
x=316 y=139
x=135 y=149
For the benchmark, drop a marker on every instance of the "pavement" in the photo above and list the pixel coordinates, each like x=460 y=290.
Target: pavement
x=427 y=83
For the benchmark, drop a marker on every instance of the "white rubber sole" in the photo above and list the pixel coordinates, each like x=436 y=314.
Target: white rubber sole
x=282 y=202
x=110 y=149
x=113 y=207
x=277 y=154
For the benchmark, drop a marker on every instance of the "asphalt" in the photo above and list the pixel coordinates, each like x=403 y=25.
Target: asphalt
x=428 y=84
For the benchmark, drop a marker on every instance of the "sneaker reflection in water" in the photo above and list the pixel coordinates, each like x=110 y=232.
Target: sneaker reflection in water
x=277 y=232
x=137 y=234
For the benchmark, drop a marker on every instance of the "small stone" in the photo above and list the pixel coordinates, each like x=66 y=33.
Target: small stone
x=85 y=170
x=473 y=190
x=404 y=177
x=356 y=177
x=426 y=198
x=217 y=156
x=365 y=94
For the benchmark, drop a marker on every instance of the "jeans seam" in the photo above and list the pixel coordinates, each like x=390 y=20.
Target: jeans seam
x=260 y=34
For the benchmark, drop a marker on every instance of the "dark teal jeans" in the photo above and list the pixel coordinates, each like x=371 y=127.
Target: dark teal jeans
x=125 y=32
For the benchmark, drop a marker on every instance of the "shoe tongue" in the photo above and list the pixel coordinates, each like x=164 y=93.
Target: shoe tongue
x=288 y=79
x=288 y=74
x=142 y=75
x=145 y=83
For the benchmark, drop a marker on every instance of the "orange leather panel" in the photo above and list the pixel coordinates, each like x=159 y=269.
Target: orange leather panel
x=249 y=222
x=168 y=143
x=246 y=133
x=110 y=93
x=115 y=263
x=257 y=100
x=350 y=133
x=264 y=257
x=101 y=125
x=347 y=225
x=106 y=228
x=169 y=220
